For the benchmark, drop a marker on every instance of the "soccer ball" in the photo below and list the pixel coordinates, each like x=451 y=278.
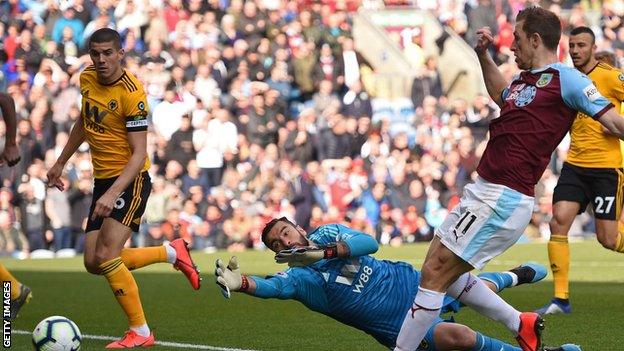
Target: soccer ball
x=56 y=333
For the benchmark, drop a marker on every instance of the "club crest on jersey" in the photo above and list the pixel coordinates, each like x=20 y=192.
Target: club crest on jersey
x=525 y=96
x=112 y=105
x=544 y=80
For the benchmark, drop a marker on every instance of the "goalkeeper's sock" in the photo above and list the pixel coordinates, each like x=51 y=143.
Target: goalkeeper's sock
x=485 y=343
x=559 y=256
x=6 y=276
x=126 y=292
x=136 y=258
x=501 y=280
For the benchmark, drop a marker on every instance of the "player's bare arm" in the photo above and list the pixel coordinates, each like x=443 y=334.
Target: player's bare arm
x=10 y=155
x=138 y=147
x=76 y=138
x=494 y=80
x=613 y=122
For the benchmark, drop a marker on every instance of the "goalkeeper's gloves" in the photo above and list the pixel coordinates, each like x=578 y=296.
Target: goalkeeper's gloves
x=305 y=256
x=229 y=278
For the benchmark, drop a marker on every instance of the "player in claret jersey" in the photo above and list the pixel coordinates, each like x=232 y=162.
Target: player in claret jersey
x=537 y=109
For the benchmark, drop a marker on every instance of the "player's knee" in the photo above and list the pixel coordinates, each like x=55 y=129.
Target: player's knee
x=102 y=255
x=462 y=337
x=607 y=241
x=91 y=266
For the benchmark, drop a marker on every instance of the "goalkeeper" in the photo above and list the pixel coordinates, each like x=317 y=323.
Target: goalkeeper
x=332 y=273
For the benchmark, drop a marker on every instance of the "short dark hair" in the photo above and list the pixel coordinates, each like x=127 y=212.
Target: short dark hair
x=267 y=227
x=106 y=35
x=583 y=29
x=543 y=22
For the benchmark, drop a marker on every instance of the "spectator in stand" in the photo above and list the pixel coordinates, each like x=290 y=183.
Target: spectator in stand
x=356 y=102
x=70 y=21
x=329 y=68
x=427 y=82
x=335 y=143
x=174 y=227
x=13 y=243
x=58 y=210
x=180 y=145
x=32 y=215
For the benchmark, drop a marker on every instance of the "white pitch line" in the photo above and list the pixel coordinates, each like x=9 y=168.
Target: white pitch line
x=160 y=343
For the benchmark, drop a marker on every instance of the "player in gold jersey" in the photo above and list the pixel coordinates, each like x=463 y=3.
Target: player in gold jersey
x=113 y=121
x=592 y=173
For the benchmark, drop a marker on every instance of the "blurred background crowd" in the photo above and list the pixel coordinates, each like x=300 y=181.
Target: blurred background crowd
x=258 y=109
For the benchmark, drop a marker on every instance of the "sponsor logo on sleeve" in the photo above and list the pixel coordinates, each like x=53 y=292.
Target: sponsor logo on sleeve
x=591 y=92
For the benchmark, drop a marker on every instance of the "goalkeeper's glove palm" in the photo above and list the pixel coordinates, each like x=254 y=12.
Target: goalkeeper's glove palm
x=228 y=278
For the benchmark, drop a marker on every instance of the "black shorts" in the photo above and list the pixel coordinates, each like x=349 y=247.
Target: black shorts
x=129 y=206
x=600 y=186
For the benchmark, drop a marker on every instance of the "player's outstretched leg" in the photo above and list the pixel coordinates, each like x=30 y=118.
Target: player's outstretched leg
x=526 y=273
x=175 y=252
x=486 y=343
x=474 y=293
x=453 y=336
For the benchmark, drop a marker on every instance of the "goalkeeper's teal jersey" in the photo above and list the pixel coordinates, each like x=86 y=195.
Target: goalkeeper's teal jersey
x=369 y=294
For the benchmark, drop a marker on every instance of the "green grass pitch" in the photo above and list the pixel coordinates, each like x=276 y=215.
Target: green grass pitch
x=179 y=314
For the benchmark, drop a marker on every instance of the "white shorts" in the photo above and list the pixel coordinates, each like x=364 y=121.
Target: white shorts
x=488 y=220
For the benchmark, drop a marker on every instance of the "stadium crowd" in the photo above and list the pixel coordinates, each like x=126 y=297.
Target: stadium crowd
x=259 y=109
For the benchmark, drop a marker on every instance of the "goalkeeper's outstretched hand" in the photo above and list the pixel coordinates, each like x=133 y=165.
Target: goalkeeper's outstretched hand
x=305 y=256
x=228 y=278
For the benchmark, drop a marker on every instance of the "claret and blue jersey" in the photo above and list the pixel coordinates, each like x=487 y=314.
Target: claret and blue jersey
x=538 y=109
x=369 y=294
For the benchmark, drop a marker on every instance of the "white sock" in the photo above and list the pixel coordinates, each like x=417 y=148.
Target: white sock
x=142 y=330
x=419 y=318
x=473 y=292
x=514 y=278
x=171 y=254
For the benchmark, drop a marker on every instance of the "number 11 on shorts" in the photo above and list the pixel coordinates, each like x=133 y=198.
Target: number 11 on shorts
x=463 y=225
